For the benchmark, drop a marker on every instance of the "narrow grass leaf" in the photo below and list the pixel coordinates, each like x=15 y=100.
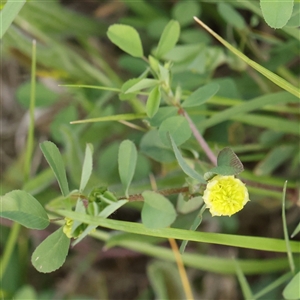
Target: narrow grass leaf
x=22 y=208
x=153 y=102
x=250 y=242
x=275 y=158
x=157 y=212
x=56 y=163
x=248 y=106
x=268 y=74
x=247 y=293
x=165 y=280
x=87 y=166
x=142 y=84
x=277 y=13
x=8 y=14
x=285 y=232
x=126 y=38
x=96 y=87
x=184 y=166
x=292 y=291
x=201 y=95
x=52 y=252
x=121 y=117
x=273 y=285
x=273 y=123
x=296 y=231
x=178 y=127
x=168 y=38
x=126 y=163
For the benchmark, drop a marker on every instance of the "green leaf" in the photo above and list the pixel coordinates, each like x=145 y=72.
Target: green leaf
x=184 y=166
x=127 y=161
x=250 y=242
x=201 y=95
x=162 y=114
x=292 y=291
x=87 y=166
x=21 y=207
x=250 y=105
x=275 y=158
x=265 y=72
x=157 y=212
x=296 y=231
x=178 y=127
x=247 y=293
x=126 y=38
x=56 y=163
x=8 y=13
x=228 y=164
x=52 y=252
x=231 y=16
x=142 y=84
x=121 y=117
x=190 y=9
x=25 y=292
x=168 y=38
x=152 y=146
x=276 y=13
x=105 y=213
x=165 y=280
x=44 y=97
x=153 y=102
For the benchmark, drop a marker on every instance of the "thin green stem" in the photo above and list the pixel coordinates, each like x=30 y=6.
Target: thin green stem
x=30 y=137
x=9 y=248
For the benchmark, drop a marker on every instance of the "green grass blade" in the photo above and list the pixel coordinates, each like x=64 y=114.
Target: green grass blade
x=258 y=243
x=247 y=293
x=105 y=88
x=248 y=106
x=285 y=231
x=276 y=283
x=30 y=137
x=199 y=261
x=121 y=117
x=8 y=13
x=268 y=74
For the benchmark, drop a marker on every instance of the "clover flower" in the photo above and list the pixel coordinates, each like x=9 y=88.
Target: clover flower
x=225 y=195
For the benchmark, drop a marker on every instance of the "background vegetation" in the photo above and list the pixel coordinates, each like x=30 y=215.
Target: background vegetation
x=250 y=114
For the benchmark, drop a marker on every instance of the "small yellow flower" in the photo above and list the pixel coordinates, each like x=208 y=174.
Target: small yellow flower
x=67 y=229
x=225 y=195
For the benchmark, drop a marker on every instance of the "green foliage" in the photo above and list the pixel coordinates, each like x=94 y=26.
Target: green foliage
x=168 y=39
x=126 y=38
x=56 y=163
x=291 y=291
x=21 y=207
x=157 y=212
x=127 y=161
x=8 y=13
x=51 y=253
x=87 y=166
x=153 y=102
x=277 y=13
x=179 y=106
x=176 y=126
x=201 y=95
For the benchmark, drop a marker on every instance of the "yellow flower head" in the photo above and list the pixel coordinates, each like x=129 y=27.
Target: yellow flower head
x=225 y=195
